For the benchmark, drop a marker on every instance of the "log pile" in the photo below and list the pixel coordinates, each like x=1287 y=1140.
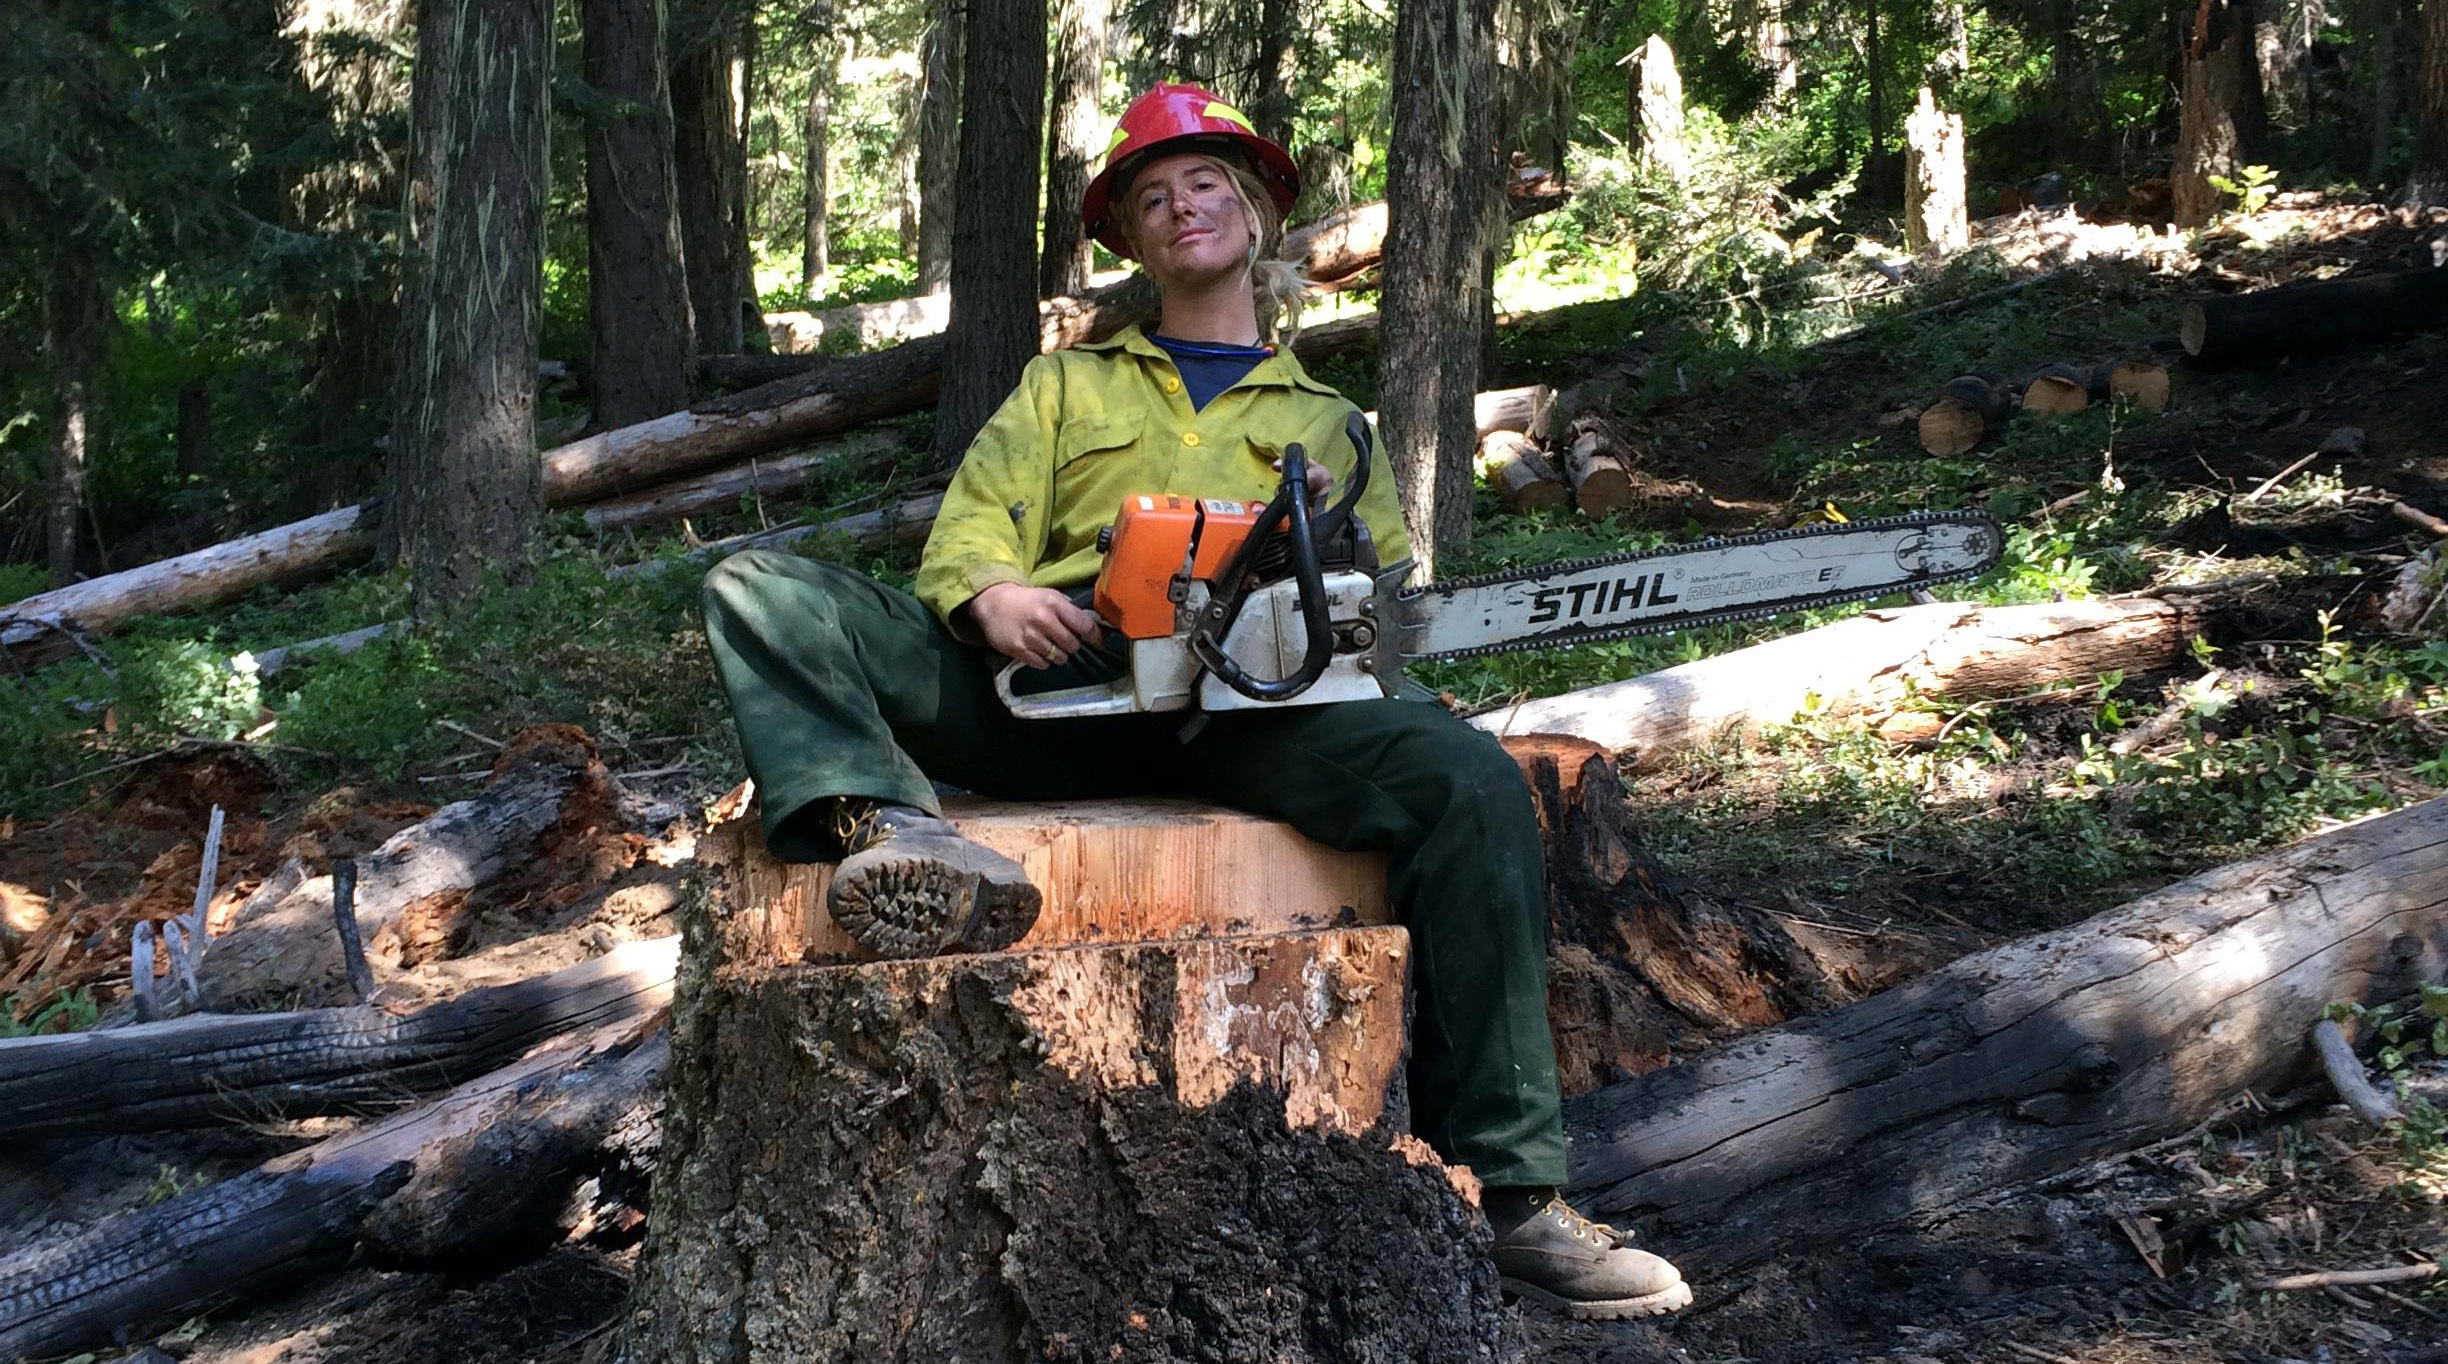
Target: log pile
x=1970 y=408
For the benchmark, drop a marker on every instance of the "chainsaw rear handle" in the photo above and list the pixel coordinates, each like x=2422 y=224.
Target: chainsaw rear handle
x=1290 y=509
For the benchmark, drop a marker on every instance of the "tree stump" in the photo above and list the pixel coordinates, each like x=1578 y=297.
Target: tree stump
x=1934 y=214
x=1121 y=1150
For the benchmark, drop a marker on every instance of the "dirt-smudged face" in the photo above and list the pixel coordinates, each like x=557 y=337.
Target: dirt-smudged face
x=1188 y=221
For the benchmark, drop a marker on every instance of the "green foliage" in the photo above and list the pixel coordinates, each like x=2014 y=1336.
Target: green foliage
x=2252 y=186
x=74 y=1011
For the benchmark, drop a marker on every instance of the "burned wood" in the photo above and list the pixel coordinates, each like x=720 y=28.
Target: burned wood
x=488 y=1166
x=344 y=922
x=2297 y=319
x=281 y=942
x=212 y=1070
x=2018 y=1062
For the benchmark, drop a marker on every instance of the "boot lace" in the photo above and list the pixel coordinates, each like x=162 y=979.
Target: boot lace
x=1583 y=1229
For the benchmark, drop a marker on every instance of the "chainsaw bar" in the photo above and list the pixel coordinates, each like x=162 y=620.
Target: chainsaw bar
x=1682 y=587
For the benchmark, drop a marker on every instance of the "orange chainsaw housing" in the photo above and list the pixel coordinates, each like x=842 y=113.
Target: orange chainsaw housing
x=1152 y=539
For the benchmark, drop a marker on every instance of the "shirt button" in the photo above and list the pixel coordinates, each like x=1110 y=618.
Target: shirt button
x=1172 y=385
x=1189 y=437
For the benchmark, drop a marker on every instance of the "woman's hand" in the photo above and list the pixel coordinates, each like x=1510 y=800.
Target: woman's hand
x=1034 y=625
x=1320 y=480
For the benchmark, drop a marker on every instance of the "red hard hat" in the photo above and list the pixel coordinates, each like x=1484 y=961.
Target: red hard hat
x=1188 y=115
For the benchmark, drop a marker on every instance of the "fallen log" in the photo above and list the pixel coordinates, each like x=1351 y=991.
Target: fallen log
x=784 y=476
x=1874 y=662
x=43 y=627
x=281 y=944
x=209 y=1070
x=2018 y=1062
x=2298 y=319
x=489 y=1167
x=2144 y=382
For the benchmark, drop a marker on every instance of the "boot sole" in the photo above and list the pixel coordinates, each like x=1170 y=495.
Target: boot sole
x=1656 y=1304
x=923 y=904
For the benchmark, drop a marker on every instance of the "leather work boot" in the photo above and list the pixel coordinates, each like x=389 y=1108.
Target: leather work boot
x=1555 y=1257
x=912 y=886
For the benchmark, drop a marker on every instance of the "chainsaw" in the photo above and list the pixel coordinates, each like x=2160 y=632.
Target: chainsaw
x=1220 y=605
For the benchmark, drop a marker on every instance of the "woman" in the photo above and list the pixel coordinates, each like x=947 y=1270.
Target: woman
x=852 y=699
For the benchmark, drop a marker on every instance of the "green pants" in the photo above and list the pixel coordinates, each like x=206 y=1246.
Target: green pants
x=842 y=686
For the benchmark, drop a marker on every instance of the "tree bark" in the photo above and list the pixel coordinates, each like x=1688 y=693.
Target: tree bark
x=1076 y=140
x=490 y=1167
x=1062 y=1111
x=939 y=142
x=1874 y=662
x=76 y=317
x=2302 y=319
x=816 y=245
x=1270 y=102
x=2384 y=22
x=1444 y=151
x=637 y=287
x=213 y=1070
x=2219 y=118
x=993 y=327
x=2015 y=1063
x=463 y=492
x=2429 y=183
x=711 y=160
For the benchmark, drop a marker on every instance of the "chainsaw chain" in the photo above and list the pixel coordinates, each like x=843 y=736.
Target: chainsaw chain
x=1729 y=615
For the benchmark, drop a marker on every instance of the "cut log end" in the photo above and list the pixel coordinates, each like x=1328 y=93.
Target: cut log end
x=2194 y=329
x=2142 y=382
x=1951 y=426
x=2054 y=394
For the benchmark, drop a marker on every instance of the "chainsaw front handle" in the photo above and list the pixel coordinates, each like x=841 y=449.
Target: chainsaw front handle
x=1291 y=510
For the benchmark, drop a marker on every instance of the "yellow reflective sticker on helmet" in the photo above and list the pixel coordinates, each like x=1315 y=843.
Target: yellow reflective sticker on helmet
x=1121 y=135
x=1217 y=108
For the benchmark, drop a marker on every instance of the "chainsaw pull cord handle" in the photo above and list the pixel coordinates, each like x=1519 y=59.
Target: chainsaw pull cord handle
x=1290 y=508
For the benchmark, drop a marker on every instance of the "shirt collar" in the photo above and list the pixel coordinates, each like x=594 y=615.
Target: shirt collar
x=1282 y=369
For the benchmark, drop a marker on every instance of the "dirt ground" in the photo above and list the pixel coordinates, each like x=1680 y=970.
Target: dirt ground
x=2148 y=1256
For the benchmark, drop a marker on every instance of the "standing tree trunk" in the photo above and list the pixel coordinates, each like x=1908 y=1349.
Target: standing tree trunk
x=816 y=250
x=1770 y=39
x=464 y=489
x=1444 y=150
x=712 y=162
x=1077 y=138
x=993 y=329
x=1270 y=102
x=2220 y=119
x=1657 y=108
x=1875 y=55
x=76 y=321
x=2429 y=183
x=1934 y=215
x=939 y=132
x=637 y=289
x=2383 y=23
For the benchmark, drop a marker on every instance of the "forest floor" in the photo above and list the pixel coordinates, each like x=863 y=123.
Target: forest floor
x=1995 y=819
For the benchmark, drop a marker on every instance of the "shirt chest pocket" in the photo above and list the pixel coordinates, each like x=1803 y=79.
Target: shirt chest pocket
x=1099 y=459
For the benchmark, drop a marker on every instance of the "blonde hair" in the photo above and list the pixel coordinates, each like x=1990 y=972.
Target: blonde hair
x=1276 y=286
